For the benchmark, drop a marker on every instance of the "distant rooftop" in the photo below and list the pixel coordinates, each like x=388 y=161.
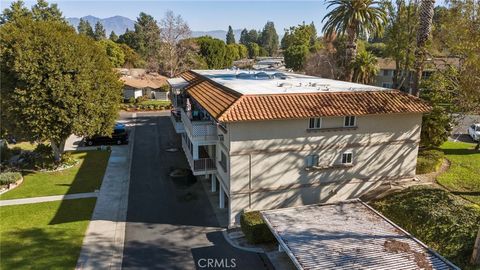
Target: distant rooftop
x=271 y=82
x=348 y=235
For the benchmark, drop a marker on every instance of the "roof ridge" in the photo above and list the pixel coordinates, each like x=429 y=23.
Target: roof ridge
x=229 y=108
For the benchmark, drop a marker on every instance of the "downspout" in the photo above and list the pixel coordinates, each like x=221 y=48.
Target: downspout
x=250 y=181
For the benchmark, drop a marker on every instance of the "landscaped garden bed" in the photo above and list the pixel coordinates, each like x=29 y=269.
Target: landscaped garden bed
x=142 y=104
x=443 y=221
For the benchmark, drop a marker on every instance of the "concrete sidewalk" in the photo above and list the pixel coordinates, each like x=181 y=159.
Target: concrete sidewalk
x=103 y=243
x=48 y=198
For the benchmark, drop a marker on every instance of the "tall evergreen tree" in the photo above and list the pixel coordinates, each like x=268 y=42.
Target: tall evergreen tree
x=230 y=36
x=42 y=11
x=16 y=11
x=244 y=37
x=269 y=38
x=147 y=38
x=113 y=37
x=84 y=28
x=99 y=32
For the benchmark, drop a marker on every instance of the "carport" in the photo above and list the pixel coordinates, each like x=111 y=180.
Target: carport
x=348 y=235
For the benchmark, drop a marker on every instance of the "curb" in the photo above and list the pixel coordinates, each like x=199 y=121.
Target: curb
x=254 y=250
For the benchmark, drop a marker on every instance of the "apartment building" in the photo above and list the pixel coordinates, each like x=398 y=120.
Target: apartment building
x=387 y=68
x=270 y=140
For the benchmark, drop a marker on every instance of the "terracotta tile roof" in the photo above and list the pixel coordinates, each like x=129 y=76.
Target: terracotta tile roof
x=211 y=97
x=430 y=64
x=144 y=81
x=290 y=106
x=229 y=106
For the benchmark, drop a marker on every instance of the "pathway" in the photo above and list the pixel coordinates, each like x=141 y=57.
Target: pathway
x=103 y=243
x=48 y=198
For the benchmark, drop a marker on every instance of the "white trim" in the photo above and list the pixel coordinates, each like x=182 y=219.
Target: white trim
x=354 y=121
x=346 y=153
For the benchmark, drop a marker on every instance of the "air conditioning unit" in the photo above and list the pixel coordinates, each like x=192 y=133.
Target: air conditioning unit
x=220 y=137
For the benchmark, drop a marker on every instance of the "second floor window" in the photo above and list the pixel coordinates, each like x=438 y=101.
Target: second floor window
x=347 y=158
x=223 y=161
x=312 y=161
x=349 y=121
x=315 y=122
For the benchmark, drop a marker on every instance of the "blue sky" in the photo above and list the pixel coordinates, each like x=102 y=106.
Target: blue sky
x=203 y=15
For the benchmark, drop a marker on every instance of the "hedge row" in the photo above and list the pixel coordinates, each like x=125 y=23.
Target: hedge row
x=9 y=178
x=255 y=229
x=429 y=161
x=145 y=107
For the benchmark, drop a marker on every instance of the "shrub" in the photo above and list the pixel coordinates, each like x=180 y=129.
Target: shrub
x=141 y=99
x=255 y=229
x=438 y=218
x=68 y=159
x=131 y=100
x=9 y=177
x=429 y=161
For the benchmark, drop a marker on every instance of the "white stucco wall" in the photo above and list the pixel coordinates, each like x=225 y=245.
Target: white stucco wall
x=267 y=159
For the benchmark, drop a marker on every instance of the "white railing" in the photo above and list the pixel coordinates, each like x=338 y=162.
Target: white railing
x=198 y=166
x=199 y=130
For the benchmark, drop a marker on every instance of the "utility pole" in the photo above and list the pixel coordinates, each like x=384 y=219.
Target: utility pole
x=476 y=250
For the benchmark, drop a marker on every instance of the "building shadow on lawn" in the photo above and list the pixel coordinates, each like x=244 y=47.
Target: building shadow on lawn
x=33 y=248
x=88 y=179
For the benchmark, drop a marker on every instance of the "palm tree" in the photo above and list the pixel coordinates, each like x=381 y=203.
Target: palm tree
x=425 y=16
x=365 y=68
x=354 y=18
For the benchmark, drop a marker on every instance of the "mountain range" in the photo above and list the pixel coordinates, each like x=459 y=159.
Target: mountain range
x=119 y=25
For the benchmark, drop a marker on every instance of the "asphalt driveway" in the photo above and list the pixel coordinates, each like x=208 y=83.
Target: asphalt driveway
x=170 y=223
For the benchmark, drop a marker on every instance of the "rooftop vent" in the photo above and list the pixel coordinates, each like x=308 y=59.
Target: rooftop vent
x=285 y=85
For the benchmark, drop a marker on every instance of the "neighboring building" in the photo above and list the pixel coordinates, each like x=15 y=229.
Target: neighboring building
x=348 y=235
x=137 y=82
x=272 y=140
x=387 y=68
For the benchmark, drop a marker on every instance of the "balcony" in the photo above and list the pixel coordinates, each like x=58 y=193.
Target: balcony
x=204 y=163
x=199 y=130
x=176 y=119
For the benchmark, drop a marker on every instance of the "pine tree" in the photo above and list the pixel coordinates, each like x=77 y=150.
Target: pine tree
x=99 y=33
x=269 y=39
x=230 y=36
x=113 y=37
x=244 y=37
x=84 y=28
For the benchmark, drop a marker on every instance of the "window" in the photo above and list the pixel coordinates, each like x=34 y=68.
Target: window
x=223 y=161
x=349 y=121
x=386 y=72
x=387 y=85
x=315 y=122
x=312 y=161
x=347 y=158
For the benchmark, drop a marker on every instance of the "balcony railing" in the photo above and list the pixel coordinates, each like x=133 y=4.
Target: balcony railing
x=200 y=130
x=204 y=164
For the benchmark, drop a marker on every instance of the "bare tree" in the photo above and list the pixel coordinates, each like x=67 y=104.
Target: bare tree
x=172 y=52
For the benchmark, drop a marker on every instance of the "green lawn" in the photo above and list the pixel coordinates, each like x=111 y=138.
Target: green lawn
x=43 y=235
x=463 y=176
x=84 y=177
x=155 y=102
x=445 y=222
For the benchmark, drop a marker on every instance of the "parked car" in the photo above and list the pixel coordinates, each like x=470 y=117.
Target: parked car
x=474 y=132
x=119 y=136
